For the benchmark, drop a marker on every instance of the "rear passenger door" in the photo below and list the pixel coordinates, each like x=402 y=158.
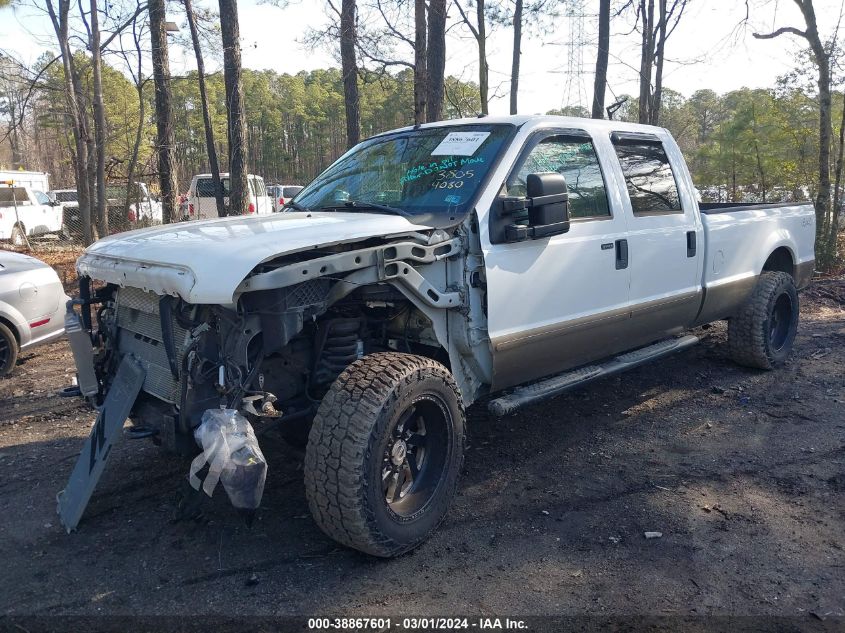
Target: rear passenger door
x=559 y=301
x=664 y=235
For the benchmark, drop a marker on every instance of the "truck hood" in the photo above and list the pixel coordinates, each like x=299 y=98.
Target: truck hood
x=204 y=261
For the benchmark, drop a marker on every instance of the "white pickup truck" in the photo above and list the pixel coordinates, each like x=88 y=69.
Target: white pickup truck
x=507 y=258
x=27 y=212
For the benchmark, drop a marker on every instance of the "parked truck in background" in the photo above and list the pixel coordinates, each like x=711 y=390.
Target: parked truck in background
x=505 y=257
x=202 y=204
x=26 y=212
x=144 y=208
x=282 y=194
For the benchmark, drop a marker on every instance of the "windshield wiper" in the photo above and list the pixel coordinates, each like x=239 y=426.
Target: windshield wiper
x=293 y=204
x=355 y=204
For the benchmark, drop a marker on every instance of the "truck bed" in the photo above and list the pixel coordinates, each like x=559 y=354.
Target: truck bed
x=739 y=241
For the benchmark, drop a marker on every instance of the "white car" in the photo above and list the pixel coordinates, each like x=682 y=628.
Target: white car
x=509 y=258
x=27 y=212
x=282 y=194
x=32 y=306
x=202 y=205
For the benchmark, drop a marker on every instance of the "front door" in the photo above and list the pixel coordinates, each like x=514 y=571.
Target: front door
x=560 y=301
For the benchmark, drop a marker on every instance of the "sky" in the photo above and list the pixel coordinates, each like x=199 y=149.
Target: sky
x=707 y=50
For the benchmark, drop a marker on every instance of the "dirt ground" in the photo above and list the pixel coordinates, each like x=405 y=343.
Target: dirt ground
x=743 y=473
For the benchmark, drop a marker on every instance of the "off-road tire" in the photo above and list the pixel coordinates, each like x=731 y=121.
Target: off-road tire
x=350 y=433
x=750 y=338
x=8 y=350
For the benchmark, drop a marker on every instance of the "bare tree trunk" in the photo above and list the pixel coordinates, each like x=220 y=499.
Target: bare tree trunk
x=206 y=117
x=420 y=71
x=825 y=134
x=833 y=234
x=654 y=105
x=164 y=111
x=349 y=65
x=133 y=159
x=230 y=30
x=71 y=79
x=483 y=69
x=517 y=52
x=99 y=122
x=600 y=84
x=14 y=138
x=436 y=62
x=646 y=59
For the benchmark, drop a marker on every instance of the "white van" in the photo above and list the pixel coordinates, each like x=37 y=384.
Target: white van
x=201 y=203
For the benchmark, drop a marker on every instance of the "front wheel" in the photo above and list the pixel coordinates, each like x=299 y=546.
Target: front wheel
x=384 y=453
x=761 y=334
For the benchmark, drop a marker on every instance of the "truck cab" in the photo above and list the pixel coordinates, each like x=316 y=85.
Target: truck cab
x=509 y=258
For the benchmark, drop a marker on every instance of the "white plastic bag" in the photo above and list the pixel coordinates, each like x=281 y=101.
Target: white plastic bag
x=231 y=451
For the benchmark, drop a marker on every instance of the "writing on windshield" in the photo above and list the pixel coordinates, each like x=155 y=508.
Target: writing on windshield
x=409 y=171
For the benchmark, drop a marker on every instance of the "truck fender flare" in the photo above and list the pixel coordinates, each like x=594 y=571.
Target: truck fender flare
x=773 y=243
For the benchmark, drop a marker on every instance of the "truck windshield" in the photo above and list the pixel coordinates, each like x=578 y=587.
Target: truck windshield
x=437 y=170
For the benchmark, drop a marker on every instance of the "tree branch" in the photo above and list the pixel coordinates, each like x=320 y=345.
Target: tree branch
x=780 y=31
x=466 y=20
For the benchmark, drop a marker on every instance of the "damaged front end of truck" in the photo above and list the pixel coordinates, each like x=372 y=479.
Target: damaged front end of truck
x=292 y=326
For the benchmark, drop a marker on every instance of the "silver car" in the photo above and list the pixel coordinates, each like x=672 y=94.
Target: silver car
x=32 y=306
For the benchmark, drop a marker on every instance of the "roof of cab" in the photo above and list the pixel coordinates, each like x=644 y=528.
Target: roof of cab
x=539 y=121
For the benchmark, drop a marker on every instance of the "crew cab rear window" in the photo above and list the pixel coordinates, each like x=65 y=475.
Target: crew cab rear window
x=205 y=187
x=648 y=176
x=67 y=196
x=576 y=160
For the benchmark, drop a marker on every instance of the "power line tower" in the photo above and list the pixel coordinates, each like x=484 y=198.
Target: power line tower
x=575 y=92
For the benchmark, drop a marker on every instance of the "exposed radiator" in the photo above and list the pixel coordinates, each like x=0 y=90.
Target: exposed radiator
x=139 y=334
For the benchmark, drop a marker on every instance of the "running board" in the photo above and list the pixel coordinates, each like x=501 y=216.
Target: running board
x=556 y=385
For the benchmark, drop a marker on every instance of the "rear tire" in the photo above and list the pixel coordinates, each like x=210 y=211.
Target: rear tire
x=385 y=452
x=8 y=350
x=761 y=334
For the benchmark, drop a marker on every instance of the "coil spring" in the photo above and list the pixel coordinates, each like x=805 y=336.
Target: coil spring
x=339 y=349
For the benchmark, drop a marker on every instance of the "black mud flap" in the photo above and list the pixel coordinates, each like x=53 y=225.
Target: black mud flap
x=107 y=430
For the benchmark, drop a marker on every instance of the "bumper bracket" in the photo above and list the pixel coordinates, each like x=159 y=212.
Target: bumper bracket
x=107 y=430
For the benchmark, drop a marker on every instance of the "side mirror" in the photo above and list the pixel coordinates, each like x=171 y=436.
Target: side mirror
x=547 y=203
x=548 y=200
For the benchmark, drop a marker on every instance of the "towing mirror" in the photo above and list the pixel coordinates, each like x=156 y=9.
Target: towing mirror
x=548 y=203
